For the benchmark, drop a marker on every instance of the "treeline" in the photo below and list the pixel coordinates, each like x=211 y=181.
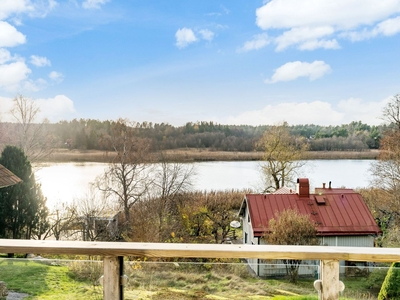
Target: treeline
x=92 y=134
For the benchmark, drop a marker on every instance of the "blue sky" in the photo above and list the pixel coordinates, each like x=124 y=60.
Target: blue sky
x=232 y=62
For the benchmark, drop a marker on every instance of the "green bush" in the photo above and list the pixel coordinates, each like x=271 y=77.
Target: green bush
x=391 y=286
x=376 y=278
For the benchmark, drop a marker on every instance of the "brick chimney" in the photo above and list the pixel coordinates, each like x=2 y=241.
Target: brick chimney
x=303 y=187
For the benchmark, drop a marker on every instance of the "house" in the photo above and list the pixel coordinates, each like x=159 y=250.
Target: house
x=341 y=215
x=7 y=178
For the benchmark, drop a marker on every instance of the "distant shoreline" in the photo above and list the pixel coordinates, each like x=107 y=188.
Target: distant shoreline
x=197 y=155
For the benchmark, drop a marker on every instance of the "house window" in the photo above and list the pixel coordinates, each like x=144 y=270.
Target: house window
x=245 y=237
x=248 y=218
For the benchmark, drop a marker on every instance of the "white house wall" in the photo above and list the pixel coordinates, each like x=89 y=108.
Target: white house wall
x=309 y=267
x=249 y=239
x=348 y=241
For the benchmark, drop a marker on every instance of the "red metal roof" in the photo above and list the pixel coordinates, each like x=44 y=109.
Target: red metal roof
x=335 y=213
x=7 y=178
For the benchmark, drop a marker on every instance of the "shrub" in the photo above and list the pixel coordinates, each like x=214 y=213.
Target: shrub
x=86 y=271
x=391 y=286
x=376 y=278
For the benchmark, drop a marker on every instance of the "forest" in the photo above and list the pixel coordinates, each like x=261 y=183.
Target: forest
x=89 y=134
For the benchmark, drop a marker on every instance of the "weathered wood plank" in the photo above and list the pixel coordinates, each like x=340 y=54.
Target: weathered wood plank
x=201 y=250
x=330 y=279
x=111 y=280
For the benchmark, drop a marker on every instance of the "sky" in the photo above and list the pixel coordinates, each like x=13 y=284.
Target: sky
x=228 y=61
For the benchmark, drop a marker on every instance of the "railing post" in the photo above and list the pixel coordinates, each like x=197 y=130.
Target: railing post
x=113 y=268
x=330 y=279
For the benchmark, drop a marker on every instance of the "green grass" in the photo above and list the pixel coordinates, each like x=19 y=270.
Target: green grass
x=44 y=281
x=78 y=280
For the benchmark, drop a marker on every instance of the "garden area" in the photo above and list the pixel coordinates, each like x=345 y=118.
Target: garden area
x=190 y=279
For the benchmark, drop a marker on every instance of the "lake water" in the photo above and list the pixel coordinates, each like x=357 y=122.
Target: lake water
x=64 y=182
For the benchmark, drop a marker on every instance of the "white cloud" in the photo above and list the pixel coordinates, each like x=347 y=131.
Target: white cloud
x=368 y=112
x=10 y=36
x=40 y=61
x=309 y=24
x=303 y=36
x=343 y=14
x=56 y=76
x=9 y=7
x=316 y=112
x=35 y=85
x=5 y=106
x=259 y=41
x=293 y=70
x=12 y=74
x=42 y=8
x=55 y=109
x=184 y=37
x=5 y=56
x=206 y=34
x=314 y=44
x=34 y=8
x=389 y=27
x=386 y=28
x=93 y=4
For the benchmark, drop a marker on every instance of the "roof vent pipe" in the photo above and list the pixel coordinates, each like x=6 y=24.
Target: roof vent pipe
x=323 y=185
x=330 y=184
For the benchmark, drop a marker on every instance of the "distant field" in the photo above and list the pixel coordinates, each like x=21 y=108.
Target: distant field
x=192 y=155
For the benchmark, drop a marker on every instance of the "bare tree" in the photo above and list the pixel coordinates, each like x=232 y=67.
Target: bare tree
x=63 y=222
x=170 y=179
x=32 y=136
x=386 y=171
x=386 y=211
x=283 y=154
x=221 y=209
x=127 y=177
x=391 y=112
x=96 y=216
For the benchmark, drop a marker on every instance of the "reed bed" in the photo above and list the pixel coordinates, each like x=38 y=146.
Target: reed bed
x=198 y=155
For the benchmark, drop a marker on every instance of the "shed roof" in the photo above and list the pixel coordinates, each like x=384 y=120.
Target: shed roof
x=334 y=213
x=7 y=177
x=285 y=190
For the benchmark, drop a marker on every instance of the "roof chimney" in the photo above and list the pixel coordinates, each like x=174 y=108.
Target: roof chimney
x=323 y=185
x=303 y=187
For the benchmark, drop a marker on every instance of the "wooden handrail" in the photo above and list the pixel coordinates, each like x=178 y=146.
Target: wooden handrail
x=200 y=250
x=113 y=251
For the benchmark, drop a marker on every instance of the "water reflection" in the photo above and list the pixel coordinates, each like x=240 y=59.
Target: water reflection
x=64 y=182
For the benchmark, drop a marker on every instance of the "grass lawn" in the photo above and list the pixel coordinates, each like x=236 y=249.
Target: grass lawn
x=45 y=281
x=78 y=280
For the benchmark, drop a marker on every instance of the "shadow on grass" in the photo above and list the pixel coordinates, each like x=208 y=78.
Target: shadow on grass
x=45 y=279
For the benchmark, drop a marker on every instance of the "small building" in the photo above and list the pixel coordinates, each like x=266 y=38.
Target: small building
x=7 y=178
x=341 y=215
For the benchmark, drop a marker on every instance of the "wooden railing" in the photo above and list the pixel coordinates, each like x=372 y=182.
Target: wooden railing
x=114 y=252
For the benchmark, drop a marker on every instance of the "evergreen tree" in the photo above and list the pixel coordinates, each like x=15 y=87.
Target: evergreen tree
x=391 y=286
x=23 y=210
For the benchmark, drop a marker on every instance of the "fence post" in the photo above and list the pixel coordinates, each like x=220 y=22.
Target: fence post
x=330 y=279
x=112 y=289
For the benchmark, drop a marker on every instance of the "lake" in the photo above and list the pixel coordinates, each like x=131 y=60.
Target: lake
x=63 y=182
